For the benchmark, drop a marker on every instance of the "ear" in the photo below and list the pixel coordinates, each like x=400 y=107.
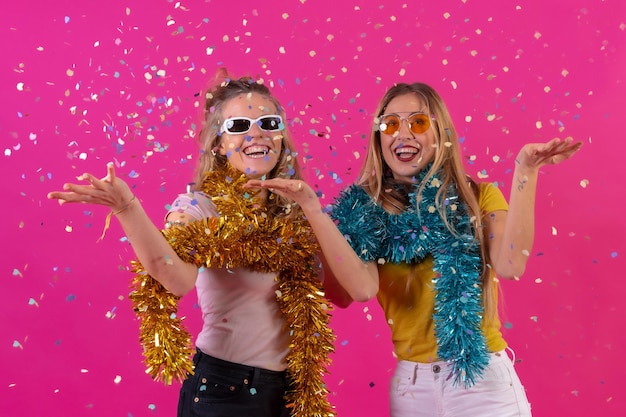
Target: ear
x=219 y=148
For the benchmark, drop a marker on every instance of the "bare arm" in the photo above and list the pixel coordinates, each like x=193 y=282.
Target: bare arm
x=151 y=248
x=510 y=235
x=342 y=267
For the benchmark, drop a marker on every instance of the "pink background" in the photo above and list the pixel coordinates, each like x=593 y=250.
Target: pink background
x=85 y=83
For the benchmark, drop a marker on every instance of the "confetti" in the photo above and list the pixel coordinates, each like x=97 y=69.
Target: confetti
x=85 y=86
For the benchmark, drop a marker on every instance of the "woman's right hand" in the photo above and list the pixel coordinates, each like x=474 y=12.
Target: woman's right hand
x=109 y=191
x=295 y=190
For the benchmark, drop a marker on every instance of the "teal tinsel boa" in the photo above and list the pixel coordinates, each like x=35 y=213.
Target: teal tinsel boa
x=409 y=237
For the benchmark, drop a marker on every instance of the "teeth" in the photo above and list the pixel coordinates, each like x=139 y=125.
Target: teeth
x=250 y=150
x=406 y=150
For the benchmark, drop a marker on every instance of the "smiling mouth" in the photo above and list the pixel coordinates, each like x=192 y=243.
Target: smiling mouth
x=256 y=151
x=406 y=153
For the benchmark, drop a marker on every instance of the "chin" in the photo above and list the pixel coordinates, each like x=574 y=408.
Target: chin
x=257 y=173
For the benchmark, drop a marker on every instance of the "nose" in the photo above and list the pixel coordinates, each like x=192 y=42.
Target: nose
x=404 y=131
x=256 y=131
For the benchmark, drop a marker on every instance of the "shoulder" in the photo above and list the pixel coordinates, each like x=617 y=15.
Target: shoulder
x=490 y=198
x=196 y=205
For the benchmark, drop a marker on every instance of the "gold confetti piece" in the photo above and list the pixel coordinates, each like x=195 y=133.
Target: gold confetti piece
x=554 y=232
x=525 y=252
x=538 y=280
x=584 y=183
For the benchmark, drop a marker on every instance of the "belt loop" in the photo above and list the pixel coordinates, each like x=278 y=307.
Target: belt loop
x=256 y=374
x=414 y=374
x=512 y=354
x=197 y=357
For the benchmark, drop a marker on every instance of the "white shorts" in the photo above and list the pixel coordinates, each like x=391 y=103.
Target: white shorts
x=424 y=390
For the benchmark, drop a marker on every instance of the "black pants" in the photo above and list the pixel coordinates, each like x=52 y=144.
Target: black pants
x=220 y=388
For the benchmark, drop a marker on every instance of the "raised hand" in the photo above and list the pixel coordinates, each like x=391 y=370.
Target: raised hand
x=296 y=190
x=536 y=155
x=109 y=191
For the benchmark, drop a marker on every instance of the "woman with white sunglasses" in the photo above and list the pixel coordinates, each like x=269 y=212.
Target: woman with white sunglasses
x=251 y=256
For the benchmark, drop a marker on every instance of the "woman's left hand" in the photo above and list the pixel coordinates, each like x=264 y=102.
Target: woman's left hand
x=536 y=155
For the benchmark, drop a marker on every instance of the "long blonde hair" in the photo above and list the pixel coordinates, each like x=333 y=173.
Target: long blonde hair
x=447 y=164
x=225 y=89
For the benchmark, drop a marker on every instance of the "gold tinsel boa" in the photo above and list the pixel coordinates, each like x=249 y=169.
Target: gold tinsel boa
x=244 y=235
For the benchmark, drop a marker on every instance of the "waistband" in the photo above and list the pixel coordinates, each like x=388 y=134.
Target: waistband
x=439 y=366
x=202 y=360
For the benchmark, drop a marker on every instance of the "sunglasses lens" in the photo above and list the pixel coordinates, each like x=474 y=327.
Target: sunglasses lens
x=389 y=124
x=236 y=125
x=419 y=123
x=271 y=123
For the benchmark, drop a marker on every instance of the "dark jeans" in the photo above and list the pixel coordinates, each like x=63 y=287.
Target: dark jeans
x=225 y=389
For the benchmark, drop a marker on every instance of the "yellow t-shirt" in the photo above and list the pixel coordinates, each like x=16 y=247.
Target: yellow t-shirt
x=407 y=296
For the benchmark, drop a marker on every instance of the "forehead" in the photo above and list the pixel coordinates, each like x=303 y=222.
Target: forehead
x=248 y=104
x=410 y=102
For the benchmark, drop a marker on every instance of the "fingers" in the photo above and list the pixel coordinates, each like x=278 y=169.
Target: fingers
x=556 y=151
x=286 y=187
x=68 y=197
x=111 y=171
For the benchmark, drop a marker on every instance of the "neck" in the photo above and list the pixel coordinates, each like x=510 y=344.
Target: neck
x=262 y=196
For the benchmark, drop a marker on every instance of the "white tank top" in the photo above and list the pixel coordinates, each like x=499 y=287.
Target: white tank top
x=242 y=322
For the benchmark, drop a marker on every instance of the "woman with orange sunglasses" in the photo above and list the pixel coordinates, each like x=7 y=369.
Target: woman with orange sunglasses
x=429 y=242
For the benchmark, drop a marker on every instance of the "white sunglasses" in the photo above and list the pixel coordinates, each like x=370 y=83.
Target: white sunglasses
x=239 y=125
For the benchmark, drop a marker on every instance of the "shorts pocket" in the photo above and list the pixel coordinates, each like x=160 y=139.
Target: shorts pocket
x=214 y=388
x=496 y=377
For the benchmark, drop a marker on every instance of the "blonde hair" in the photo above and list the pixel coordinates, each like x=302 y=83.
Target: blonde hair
x=216 y=97
x=447 y=164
